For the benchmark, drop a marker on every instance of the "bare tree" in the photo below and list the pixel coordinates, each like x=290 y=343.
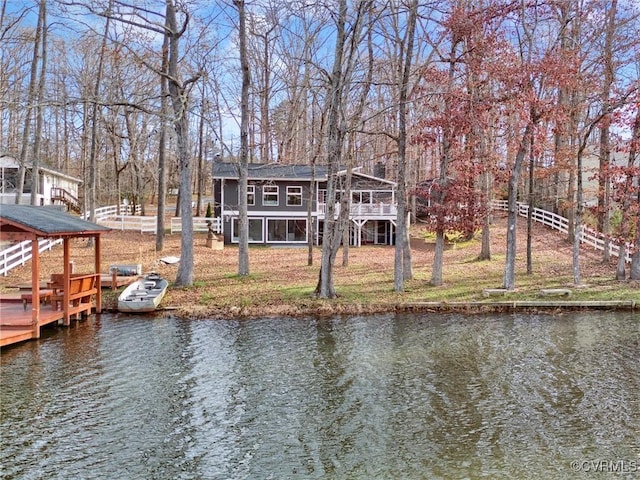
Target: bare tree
x=179 y=93
x=604 y=184
x=402 y=263
x=162 y=145
x=35 y=170
x=243 y=220
x=345 y=58
x=26 y=133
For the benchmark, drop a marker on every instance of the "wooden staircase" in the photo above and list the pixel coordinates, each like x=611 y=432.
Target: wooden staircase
x=72 y=203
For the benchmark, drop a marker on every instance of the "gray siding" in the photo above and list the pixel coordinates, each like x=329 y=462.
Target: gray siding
x=231 y=196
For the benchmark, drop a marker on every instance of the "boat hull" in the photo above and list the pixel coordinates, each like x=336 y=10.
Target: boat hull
x=144 y=295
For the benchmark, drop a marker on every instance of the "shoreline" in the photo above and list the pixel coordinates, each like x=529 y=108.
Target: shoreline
x=327 y=309
x=282 y=281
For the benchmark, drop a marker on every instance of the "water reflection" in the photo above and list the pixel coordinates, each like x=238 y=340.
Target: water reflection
x=433 y=396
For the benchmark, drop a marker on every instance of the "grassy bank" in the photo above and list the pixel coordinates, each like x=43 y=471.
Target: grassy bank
x=281 y=282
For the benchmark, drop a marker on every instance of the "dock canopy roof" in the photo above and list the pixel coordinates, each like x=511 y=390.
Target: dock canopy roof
x=26 y=221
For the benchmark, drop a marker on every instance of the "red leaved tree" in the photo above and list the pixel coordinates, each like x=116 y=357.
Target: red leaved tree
x=457 y=103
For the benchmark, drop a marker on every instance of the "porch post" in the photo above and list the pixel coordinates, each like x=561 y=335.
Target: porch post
x=66 y=282
x=35 y=287
x=97 y=257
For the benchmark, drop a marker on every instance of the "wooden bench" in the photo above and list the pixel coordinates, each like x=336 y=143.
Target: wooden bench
x=78 y=295
x=45 y=295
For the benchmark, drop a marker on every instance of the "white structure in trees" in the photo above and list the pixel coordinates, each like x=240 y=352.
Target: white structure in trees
x=53 y=187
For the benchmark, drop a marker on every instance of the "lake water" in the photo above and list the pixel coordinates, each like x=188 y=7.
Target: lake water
x=380 y=397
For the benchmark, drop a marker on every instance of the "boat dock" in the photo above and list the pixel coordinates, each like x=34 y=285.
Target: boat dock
x=16 y=309
x=16 y=324
x=67 y=295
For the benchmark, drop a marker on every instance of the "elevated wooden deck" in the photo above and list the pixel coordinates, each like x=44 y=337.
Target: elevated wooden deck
x=16 y=324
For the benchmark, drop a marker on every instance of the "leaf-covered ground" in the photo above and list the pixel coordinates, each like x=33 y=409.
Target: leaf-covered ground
x=282 y=283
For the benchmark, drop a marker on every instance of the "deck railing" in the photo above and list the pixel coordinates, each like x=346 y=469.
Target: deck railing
x=364 y=210
x=552 y=220
x=66 y=197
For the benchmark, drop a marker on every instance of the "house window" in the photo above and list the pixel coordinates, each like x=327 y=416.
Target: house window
x=255 y=230
x=286 y=230
x=294 y=196
x=360 y=197
x=251 y=195
x=276 y=230
x=297 y=230
x=270 y=196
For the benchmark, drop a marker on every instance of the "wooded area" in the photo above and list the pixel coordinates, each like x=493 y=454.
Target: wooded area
x=458 y=101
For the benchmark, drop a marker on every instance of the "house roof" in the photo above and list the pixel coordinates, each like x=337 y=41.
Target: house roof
x=44 y=222
x=270 y=171
x=7 y=161
x=277 y=171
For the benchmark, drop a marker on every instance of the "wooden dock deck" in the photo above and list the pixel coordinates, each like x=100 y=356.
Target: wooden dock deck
x=16 y=324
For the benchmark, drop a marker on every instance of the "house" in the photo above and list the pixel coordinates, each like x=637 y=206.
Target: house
x=54 y=188
x=278 y=199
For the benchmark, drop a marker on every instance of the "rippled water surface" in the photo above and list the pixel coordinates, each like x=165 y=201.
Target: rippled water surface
x=389 y=397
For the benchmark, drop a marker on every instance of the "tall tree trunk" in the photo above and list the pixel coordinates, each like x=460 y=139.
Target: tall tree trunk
x=402 y=254
x=512 y=217
x=485 y=245
x=575 y=179
x=561 y=134
x=604 y=182
x=95 y=113
x=162 y=145
x=26 y=132
x=35 y=171
x=625 y=208
x=438 y=254
x=335 y=139
x=180 y=100
x=310 y=218
x=200 y=173
x=530 y=210
x=243 y=220
x=346 y=202
x=579 y=208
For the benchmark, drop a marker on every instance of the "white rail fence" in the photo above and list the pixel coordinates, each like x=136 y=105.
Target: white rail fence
x=109 y=217
x=104 y=213
x=148 y=224
x=20 y=253
x=200 y=224
x=142 y=224
x=588 y=236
